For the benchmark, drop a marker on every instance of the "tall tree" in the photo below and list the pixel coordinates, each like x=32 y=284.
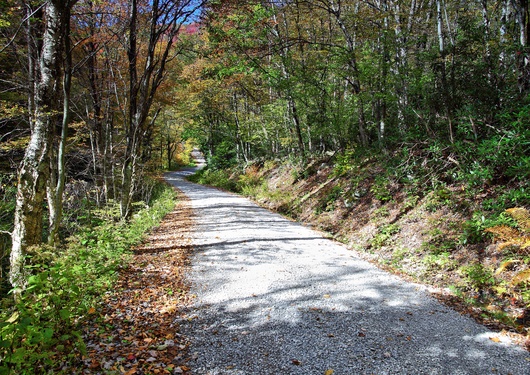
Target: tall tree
x=146 y=71
x=35 y=168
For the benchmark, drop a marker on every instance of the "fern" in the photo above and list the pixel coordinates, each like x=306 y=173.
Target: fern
x=522 y=216
x=521 y=277
x=512 y=237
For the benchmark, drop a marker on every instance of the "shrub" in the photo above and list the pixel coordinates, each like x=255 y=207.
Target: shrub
x=41 y=330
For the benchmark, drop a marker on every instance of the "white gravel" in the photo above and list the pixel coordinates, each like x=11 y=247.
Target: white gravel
x=274 y=297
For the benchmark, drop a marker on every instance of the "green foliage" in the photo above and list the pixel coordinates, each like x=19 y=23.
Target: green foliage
x=8 y=193
x=438 y=198
x=398 y=255
x=509 y=197
x=438 y=260
x=42 y=329
x=384 y=235
x=473 y=231
x=218 y=178
x=344 y=163
x=223 y=157
x=249 y=181
x=438 y=242
x=478 y=276
x=380 y=189
x=328 y=201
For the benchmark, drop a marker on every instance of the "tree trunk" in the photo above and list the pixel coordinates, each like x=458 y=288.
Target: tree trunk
x=56 y=187
x=443 y=68
x=523 y=58
x=35 y=168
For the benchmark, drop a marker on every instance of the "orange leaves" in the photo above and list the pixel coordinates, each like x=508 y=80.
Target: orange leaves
x=521 y=277
x=511 y=237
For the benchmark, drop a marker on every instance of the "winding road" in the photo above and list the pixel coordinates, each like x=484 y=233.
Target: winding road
x=274 y=297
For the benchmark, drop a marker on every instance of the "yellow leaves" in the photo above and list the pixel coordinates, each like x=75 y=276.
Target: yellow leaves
x=91 y=310
x=503 y=232
x=329 y=372
x=505 y=265
x=518 y=239
x=521 y=277
x=14 y=144
x=512 y=237
x=522 y=216
x=11 y=109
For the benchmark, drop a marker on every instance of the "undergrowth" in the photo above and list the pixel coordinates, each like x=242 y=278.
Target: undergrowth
x=40 y=332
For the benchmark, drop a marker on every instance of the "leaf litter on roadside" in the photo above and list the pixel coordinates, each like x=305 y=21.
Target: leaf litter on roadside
x=136 y=329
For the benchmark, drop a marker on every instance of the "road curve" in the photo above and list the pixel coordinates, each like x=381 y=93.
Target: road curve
x=274 y=297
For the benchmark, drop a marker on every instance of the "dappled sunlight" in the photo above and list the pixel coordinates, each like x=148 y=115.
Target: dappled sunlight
x=275 y=293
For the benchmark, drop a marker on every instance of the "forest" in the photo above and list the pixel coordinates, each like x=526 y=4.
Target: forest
x=395 y=103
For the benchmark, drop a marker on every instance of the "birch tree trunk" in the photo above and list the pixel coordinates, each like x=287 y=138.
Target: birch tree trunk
x=35 y=168
x=523 y=58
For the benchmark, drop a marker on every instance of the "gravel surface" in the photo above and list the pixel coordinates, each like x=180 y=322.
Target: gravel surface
x=274 y=297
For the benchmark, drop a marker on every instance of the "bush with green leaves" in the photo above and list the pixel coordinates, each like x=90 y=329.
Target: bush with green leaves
x=473 y=231
x=41 y=330
x=216 y=177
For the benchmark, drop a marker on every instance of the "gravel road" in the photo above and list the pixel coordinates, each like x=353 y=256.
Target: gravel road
x=274 y=297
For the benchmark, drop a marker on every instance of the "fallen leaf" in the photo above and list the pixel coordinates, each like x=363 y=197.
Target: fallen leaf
x=327 y=296
x=329 y=372
x=296 y=362
x=495 y=339
x=91 y=310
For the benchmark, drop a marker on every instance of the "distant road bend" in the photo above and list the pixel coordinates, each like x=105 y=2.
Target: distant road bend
x=274 y=297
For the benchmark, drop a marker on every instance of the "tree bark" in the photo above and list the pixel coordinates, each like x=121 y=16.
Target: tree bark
x=523 y=58
x=56 y=185
x=35 y=168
